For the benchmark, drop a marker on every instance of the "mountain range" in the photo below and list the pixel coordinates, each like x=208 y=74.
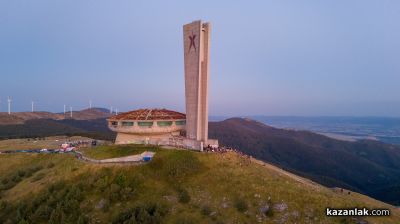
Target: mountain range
x=22 y=117
x=366 y=166
x=88 y=122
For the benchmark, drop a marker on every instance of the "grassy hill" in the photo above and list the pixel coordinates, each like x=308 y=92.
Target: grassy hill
x=369 y=167
x=175 y=187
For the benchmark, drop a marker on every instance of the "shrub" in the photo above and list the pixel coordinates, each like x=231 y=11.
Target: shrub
x=120 y=180
x=186 y=219
x=206 y=210
x=16 y=178
x=151 y=213
x=22 y=221
x=4 y=180
x=57 y=216
x=345 y=221
x=21 y=173
x=8 y=186
x=34 y=169
x=183 y=196
x=82 y=220
x=43 y=212
x=29 y=173
x=38 y=177
x=269 y=212
x=113 y=192
x=3 y=205
x=57 y=186
x=135 y=181
x=102 y=184
x=241 y=205
x=106 y=206
x=125 y=193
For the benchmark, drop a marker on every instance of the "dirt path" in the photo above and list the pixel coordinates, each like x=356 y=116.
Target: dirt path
x=281 y=171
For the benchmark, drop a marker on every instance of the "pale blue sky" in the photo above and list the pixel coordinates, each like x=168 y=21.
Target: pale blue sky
x=335 y=57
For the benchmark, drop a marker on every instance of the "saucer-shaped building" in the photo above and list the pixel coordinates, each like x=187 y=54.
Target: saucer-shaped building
x=148 y=126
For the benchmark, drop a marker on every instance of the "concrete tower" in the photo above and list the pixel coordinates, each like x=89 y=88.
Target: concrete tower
x=196 y=38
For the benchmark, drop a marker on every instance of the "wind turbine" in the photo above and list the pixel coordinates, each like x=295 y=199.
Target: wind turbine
x=70 y=112
x=33 y=103
x=9 y=105
x=90 y=104
x=116 y=111
x=64 y=109
x=111 y=110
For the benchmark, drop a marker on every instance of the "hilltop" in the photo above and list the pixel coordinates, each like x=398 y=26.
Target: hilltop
x=177 y=186
x=369 y=167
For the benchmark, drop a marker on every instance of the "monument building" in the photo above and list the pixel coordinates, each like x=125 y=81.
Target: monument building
x=147 y=126
x=196 y=41
x=166 y=127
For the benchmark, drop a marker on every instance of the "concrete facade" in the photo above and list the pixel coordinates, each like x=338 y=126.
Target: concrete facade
x=196 y=36
x=153 y=139
x=154 y=134
x=148 y=126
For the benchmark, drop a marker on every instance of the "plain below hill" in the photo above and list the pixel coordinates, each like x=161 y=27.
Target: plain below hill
x=89 y=122
x=22 y=117
x=177 y=186
x=366 y=166
x=37 y=128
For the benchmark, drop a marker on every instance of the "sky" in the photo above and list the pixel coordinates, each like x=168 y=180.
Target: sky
x=303 y=58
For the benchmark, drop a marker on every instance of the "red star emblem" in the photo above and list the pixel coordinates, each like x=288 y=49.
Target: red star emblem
x=192 y=43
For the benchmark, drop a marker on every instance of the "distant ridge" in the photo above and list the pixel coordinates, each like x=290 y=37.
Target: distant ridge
x=22 y=117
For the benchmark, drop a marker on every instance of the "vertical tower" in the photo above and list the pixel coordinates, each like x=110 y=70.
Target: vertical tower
x=9 y=105
x=196 y=38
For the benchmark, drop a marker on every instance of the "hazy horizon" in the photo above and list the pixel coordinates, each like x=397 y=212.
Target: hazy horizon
x=268 y=58
x=216 y=117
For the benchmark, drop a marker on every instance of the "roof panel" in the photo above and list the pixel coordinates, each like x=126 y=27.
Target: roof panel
x=149 y=114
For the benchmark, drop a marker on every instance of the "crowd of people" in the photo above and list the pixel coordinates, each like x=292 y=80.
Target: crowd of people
x=82 y=143
x=245 y=159
x=221 y=149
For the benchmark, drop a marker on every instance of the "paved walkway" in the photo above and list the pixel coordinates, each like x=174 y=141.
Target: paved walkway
x=126 y=159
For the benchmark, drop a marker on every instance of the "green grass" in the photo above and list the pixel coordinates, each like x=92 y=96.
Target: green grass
x=175 y=187
x=114 y=151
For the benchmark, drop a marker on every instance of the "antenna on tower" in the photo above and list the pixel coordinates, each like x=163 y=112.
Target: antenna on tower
x=33 y=103
x=9 y=105
x=70 y=112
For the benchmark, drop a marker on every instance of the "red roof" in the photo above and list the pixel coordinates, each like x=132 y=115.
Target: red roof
x=149 y=114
